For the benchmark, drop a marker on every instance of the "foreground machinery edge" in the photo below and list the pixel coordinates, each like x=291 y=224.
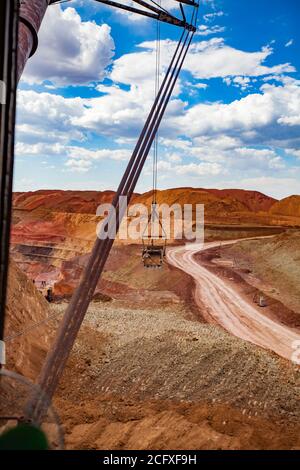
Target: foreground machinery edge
x=19 y=25
x=9 y=11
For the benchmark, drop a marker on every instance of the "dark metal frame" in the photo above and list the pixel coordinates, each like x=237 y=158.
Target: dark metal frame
x=156 y=12
x=9 y=11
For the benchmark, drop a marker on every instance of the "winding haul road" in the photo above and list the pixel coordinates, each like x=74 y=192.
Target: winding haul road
x=228 y=308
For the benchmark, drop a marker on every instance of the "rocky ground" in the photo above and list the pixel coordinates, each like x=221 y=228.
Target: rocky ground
x=152 y=379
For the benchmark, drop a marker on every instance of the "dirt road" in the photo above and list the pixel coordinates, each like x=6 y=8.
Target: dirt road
x=228 y=308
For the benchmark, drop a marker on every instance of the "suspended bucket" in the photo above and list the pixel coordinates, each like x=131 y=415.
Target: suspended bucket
x=153 y=253
x=154 y=244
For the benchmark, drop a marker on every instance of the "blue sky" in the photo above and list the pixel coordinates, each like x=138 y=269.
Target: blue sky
x=233 y=121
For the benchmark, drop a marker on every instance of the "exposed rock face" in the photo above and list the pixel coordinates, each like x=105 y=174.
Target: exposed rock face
x=25 y=307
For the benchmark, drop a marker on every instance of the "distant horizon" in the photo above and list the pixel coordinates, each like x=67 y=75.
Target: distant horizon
x=159 y=190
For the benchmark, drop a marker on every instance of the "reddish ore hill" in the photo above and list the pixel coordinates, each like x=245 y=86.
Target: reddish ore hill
x=55 y=227
x=253 y=200
x=289 y=206
x=88 y=201
x=62 y=201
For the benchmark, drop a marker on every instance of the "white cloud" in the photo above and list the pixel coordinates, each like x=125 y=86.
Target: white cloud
x=204 y=30
x=173 y=167
x=293 y=152
x=289 y=43
x=262 y=158
x=205 y=60
x=47 y=117
x=174 y=157
x=267 y=112
x=290 y=120
x=259 y=118
x=219 y=142
x=81 y=166
x=201 y=86
x=82 y=153
x=199 y=169
x=53 y=148
x=240 y=82
x=211 y=16
x=278 y=187
x=216 y=134
x=210 y=139
x=180 y=144
x=213 y=58
x=71 y=51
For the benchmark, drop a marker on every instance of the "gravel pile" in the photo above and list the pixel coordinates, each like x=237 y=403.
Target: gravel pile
x=158 y=354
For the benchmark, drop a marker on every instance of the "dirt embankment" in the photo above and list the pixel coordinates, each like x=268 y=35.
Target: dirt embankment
x=126 y=279
x=275 y=263
x=213 y=232
x=151 y=379
x=289 y=206
x=25 y=307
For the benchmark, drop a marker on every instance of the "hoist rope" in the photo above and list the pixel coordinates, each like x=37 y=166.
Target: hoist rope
x=155 y=143
x=32 y=327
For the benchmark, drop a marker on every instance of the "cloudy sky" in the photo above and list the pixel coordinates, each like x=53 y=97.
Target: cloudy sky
x=234 y=120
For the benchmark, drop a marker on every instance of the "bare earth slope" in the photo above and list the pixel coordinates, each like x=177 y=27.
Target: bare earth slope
x=275 y=261
x=229 y=309
x=253 y=200
x=147 y=378
x=25 y=307
x=289 y=206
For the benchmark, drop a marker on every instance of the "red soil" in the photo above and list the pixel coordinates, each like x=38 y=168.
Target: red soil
x=289 y=206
